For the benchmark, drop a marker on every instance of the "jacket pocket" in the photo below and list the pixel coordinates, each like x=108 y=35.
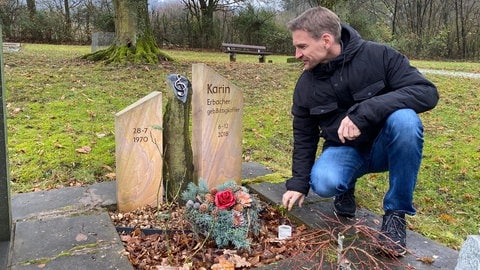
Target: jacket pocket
x=324 y=109
x=369 y=91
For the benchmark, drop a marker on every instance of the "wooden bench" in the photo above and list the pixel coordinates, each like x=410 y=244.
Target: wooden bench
x=233 y=49
x=11 y=47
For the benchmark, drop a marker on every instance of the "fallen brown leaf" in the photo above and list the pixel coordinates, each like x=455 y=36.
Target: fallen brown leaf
x=111 y=175
x=81 y=237
x=84 y=150
x=181 y=245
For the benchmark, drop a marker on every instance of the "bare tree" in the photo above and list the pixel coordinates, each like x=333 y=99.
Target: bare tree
x=394 y=18
x=464 y=12
x=303 y=4
x=32 y=9
x=68 y=18
x=330 y=4
x=202 y=11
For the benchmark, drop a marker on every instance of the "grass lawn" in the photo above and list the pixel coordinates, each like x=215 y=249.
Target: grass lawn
x=58 y=104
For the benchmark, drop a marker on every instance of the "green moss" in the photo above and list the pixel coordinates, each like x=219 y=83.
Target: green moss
x=145 y=52
x=274 y=177
x=80 y=248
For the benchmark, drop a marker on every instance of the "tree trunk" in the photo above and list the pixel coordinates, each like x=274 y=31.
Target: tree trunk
x=202 y=11
x=68 y=20
x=32 y=10
x=134 y=41
x=394 y=18
x=178 y=154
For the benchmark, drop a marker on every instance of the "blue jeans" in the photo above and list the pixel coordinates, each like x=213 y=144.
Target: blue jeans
x=397 y=149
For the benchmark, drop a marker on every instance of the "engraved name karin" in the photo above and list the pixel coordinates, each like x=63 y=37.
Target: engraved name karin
x=215 y=89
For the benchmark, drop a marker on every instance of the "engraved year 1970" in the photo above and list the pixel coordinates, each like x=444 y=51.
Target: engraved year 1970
x=140 y=135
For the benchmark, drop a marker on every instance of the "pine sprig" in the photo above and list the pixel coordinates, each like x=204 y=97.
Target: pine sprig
x=228 y=213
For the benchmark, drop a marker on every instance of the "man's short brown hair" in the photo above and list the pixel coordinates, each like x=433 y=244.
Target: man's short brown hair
x=317 y=21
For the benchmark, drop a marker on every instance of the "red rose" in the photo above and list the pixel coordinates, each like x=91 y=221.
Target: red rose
x=224 y=199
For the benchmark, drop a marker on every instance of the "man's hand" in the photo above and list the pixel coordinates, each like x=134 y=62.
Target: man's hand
x=348 y=130
x=290 y=197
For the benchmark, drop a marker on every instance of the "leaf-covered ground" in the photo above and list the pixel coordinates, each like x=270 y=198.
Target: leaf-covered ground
x=163 y=238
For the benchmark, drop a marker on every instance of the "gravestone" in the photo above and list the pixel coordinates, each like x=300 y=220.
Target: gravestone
x=217 y=108
x=469 y=257
x=102 y=40
x=5 y=204
x=138 y=152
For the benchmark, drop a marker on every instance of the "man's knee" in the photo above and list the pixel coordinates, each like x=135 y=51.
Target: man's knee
x=406 y=123
x=324 y=185
x=403 y=119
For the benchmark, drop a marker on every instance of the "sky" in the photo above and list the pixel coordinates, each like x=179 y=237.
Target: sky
x=269 y=4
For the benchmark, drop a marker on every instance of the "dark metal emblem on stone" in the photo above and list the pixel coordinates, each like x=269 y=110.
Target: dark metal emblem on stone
x=180 y=86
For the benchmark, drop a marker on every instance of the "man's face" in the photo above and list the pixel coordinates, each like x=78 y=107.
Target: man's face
x=311 y=51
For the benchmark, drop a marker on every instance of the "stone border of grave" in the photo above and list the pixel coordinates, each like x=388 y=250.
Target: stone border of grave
x=469 y=257
x=5 y=202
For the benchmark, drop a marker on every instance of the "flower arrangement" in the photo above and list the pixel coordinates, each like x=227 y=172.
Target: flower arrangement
x=227 y=213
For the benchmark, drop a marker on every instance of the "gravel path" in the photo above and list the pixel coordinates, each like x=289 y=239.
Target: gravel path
x=451 y=73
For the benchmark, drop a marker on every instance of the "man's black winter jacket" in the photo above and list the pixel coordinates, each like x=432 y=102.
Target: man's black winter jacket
x=367 y=82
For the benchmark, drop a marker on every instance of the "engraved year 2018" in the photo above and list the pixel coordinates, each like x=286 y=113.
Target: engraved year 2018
x=223 y=130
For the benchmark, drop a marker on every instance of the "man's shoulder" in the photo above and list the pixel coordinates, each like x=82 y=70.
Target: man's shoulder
x=304 y=76
x=376 y=52
x=378 y=47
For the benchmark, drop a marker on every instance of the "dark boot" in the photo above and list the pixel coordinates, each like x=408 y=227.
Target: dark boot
x=344 y=205
x=393 y=236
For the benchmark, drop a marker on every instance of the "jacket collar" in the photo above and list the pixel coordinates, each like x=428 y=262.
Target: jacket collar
x=351 y=41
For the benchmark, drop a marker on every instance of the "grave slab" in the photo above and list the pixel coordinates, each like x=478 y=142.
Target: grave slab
x=32 y=204
x=254 y=169
x=77 y=242
x=61 y=201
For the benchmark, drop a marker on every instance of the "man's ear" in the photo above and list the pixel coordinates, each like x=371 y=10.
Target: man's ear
x=327 y=40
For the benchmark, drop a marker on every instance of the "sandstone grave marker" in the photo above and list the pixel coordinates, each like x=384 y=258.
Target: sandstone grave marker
x=217 y=108
x=138 y=152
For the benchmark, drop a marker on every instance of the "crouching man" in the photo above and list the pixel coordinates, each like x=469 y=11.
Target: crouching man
x=362 y=98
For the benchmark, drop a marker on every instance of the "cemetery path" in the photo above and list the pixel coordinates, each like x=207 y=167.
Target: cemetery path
x=451 y=73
